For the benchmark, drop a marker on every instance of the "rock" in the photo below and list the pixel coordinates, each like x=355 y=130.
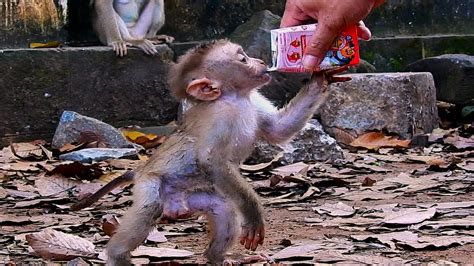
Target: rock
x=73 y=124
x=98 y=154
x=254 y=36
x=37 y=85
x=310 y=144
x=401 y=103
x=453 y=75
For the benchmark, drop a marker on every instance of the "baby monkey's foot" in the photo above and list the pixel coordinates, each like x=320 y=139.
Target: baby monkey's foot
x=252 y=236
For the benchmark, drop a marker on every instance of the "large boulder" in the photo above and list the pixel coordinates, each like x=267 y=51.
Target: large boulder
x=453 y=75
x=401 y=103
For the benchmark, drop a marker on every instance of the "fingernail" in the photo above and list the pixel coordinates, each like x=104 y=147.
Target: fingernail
x=310 y=61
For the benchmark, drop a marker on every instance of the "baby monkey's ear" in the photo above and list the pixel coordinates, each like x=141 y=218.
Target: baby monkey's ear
x=204 y=89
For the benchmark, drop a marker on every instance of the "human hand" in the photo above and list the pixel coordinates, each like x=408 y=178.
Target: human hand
x=333 y=17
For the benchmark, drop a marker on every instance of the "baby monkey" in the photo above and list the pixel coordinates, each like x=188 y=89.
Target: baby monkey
x=197 y=169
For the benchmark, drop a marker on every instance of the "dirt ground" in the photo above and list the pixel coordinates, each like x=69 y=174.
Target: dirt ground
x=432 y=176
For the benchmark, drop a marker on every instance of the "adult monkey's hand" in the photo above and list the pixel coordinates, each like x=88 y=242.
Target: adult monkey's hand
x=332 y=17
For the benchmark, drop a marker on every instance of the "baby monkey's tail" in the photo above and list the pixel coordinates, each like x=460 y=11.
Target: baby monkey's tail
x=125 y=179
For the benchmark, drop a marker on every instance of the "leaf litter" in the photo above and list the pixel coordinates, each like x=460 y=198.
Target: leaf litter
x=381 y=202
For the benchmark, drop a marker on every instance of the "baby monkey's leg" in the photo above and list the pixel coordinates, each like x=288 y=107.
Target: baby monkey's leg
x=137 y=222
x=222 y=220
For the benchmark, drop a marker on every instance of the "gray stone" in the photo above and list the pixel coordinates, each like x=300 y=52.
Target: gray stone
x=393 y=54
x=72 y=124
x=36 y=86
x=401 y=103
x=310 y=144
x=98 y=154
x=453 y=75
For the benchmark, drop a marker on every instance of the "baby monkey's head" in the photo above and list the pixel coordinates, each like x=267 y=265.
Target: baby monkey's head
x=214 y=69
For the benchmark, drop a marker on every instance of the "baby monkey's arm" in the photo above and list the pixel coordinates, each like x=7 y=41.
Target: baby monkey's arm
x=279 y=126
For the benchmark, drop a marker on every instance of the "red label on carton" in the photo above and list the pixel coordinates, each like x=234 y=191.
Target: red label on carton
x=289 y=44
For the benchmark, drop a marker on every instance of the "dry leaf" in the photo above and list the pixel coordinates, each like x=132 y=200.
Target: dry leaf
x=338 y=209
x=54 y=185
x=389 y=238
x=465 y=223
x=429 y=160
x=376 y=140
x=310 y=249
x=409 y=216
x=260 y=166
x=125 y=164
x=287 y=170
x=20 y=167
x=460 y=143
x=148 y=141
x=368 y=182
x=110 y=224
x=168 y=253
x=13 y=219
x=78 y=170
x=30 y=151
x=361 y=195
x=54 y=245
x=342 y=136
x=440 y=241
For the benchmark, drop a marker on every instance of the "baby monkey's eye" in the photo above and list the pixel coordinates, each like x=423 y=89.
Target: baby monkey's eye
x=243 y=58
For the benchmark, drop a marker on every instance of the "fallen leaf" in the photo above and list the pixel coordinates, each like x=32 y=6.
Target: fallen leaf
x=125 y=164
x=260 y=166
x=466 y=222
x=368 y=182
x=376 y=140
x=409 y=216
x=287 y=170
x=13 y=219
x=439 y=241
x=369 y=195
x=54 y=185
x=110 y=223
x=31 y=203
x=429 y=160
x=169 y=253
x=389 y=238
x=310 y=249
x=156 y=236
x=20 y=167
x=338 y=209
x=448 y=205
x=54 y=245
x=460 y=143
x=148 y=141
x=30 y=151
x=78 y=170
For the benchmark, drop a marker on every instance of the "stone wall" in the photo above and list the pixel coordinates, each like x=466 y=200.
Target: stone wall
x=197 y=20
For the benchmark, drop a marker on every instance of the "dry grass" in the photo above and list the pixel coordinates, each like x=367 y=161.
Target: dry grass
x=41 y=14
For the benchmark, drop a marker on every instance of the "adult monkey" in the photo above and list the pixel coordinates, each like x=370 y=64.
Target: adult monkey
x=121 y=23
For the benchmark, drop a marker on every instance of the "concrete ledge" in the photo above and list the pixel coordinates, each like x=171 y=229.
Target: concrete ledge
x=36 y=86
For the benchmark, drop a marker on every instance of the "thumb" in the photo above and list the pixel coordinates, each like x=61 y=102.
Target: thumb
x=320 y=42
